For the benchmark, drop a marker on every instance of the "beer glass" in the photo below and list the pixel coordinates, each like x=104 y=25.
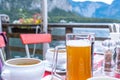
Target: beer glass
x=78 y=47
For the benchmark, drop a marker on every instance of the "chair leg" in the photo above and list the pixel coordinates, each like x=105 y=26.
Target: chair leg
x=27 y=51
x=2 y=56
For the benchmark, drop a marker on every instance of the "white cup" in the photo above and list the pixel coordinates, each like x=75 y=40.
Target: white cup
x=114 y=36
x=61 y=61
x=102 y=78
x=23 y=69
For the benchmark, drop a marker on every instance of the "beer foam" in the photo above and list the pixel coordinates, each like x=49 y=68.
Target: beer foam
x=78 y=43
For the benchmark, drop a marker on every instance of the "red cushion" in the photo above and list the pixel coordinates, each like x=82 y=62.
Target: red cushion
x=35 y=38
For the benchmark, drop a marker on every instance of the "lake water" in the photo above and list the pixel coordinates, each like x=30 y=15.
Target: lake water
x=99 y=32
x=61 y=31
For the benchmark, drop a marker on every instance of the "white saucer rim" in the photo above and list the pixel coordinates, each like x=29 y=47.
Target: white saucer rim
x=48 y=77
x=47 y=68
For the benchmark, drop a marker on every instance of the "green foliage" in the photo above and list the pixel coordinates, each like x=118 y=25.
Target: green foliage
x=21 y=9
x=17 y=9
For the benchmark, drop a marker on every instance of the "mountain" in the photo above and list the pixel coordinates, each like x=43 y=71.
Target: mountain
x=88 y=8
x=97 y=9
x=25 y=8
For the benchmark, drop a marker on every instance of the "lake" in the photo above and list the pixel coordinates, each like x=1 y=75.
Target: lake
x=61 y=31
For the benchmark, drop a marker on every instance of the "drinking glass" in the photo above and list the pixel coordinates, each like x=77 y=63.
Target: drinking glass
x=78 y=56
x=79 y=51
x=109 y=51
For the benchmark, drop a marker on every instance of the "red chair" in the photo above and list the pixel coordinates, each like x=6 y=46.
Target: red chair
x=3 y=42
x=34 y=39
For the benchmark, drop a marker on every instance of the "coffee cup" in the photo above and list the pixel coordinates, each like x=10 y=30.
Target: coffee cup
x=61 y=61
x=114 y=36
x=23 y=69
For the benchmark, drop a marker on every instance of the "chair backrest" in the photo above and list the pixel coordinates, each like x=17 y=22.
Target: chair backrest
x=2 y=45
x=3 y=39
x=2 y=42
x=35 y=38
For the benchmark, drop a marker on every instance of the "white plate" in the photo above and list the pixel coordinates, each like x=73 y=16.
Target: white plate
x=49 y=68
x=103 y=78
x=46 y=77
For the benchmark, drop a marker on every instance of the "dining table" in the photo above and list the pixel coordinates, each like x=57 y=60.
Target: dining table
x=47 y=76
x=98 y=60
x=97 y=69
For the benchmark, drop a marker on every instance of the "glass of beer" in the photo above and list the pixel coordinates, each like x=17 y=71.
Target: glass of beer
x=78 y=47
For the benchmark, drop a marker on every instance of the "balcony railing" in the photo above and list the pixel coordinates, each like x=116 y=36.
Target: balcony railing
x=58 y=31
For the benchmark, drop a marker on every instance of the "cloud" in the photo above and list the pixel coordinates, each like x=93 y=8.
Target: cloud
x=105 y=1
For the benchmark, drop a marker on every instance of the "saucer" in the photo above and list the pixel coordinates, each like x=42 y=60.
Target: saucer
x=49 y=78
x=48 y=67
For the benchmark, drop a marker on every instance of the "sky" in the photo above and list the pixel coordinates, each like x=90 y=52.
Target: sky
x=105 y=1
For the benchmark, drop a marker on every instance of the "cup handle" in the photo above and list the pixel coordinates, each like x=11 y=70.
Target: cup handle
x=5 y=75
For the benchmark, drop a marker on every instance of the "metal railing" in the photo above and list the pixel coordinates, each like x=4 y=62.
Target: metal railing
x=31 y=28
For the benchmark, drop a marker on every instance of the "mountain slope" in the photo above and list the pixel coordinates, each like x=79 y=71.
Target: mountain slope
x=26 y=8
x=97 y=9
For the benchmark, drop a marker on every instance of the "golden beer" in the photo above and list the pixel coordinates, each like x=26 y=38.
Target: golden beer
x=78 y=59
